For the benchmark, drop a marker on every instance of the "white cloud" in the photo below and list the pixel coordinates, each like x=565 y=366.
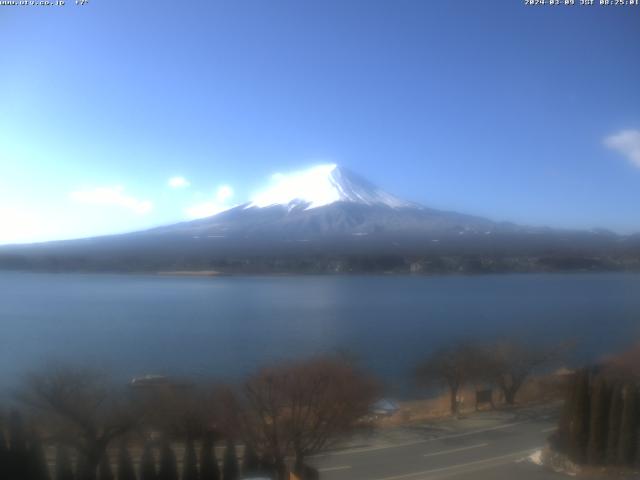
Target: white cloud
x=212 y=207
x=112 y=196
x=627 y=143
x=178 y=182
x=313 y=184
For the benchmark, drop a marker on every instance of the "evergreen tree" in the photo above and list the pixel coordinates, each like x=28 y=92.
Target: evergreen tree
x=83 y=468
x=279 y=468
x=189 y=462
x=148 y=464
x=4 y=456
x=125 y=464
x=636 y=463
x=629 y=426
x=208 y=462
x=17 y=436
x=37 y=463
x=63 y=469
x=104 y=468
x=615 y=419
x=18 y=453
x=560 y=440
x=267 y=467
x=250 y=461
x=579 y=425
x=597 y=448
x=168 y=465
x=230 y=462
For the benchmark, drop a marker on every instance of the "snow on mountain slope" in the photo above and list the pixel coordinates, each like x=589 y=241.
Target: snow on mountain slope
x=324 y=201
x=323 y=185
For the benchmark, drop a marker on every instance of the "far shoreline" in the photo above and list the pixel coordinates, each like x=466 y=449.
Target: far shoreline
x=266 y=274
x=191 y=273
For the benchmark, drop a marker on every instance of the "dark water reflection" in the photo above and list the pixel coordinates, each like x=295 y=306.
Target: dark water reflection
x=223 y=327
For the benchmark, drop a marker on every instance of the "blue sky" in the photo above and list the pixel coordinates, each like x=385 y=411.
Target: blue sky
x=529 y=114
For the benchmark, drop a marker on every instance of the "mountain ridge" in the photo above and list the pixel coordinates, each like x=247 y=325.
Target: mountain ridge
x=327 y=220
x=322 y=185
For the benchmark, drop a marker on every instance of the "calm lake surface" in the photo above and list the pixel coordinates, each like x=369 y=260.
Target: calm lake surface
x=224 y=327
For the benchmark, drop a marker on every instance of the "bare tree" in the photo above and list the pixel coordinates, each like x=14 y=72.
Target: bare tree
x=81 y=409
x=177 y=412
x=452 y=367
x=228 y=417
x=511 y=363
x=301 y=408
x=625 y=365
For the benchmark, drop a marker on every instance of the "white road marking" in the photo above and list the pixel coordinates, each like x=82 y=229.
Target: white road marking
x=547 y=430
x=334 y=469
x=418 y=442
x=491 y=463
x=460 y=468
x=454 y=450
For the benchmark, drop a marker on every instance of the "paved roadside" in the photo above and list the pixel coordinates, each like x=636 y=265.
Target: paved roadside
x=484 y=445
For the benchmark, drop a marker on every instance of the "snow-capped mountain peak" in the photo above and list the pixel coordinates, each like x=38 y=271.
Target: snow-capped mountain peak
x=322 y=185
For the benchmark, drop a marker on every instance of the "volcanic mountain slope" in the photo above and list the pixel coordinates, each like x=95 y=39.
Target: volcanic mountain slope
x=315 y=219
x=328 y=201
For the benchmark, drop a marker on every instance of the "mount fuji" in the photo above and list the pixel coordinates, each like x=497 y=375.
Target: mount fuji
x=329 y=219
x=328 y=201
x=323 y=185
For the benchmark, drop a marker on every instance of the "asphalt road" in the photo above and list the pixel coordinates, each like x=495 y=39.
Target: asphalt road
x=473 y=450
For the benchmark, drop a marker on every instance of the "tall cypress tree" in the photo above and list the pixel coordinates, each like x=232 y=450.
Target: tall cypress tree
x=18 y=453
x=636 y=462
x=4 y=456
x=597 y=448
x=190 y=461
x=579 y=425
x=83 y=469
x=250 y=461
x=125 y=464
x=267 y=467
x=615 y=420
x=168 y=465
x=208 y=462
x=148 y=464
x=37 y=463
x=560 y=440
x=230 y=470
x=63 y=468
x=629 y=426
x=104 y=468
x=17 y=435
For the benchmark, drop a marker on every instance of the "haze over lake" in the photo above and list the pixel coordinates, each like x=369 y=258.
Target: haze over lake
x=224 y=327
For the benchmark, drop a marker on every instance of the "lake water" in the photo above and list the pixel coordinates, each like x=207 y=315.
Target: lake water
x=223 y=327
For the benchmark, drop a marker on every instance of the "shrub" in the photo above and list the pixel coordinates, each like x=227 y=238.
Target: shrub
x=615 y=419
x=208 y=463
x=597 y=448
x=125 y=464
x=63 y=469
x=579 y=423
x=629 y=426
x=168 y=465
x=230 y=462
x=148 y=464
x=189 y=462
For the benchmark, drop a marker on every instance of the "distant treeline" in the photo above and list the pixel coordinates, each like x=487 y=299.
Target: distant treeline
x=324 y=264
